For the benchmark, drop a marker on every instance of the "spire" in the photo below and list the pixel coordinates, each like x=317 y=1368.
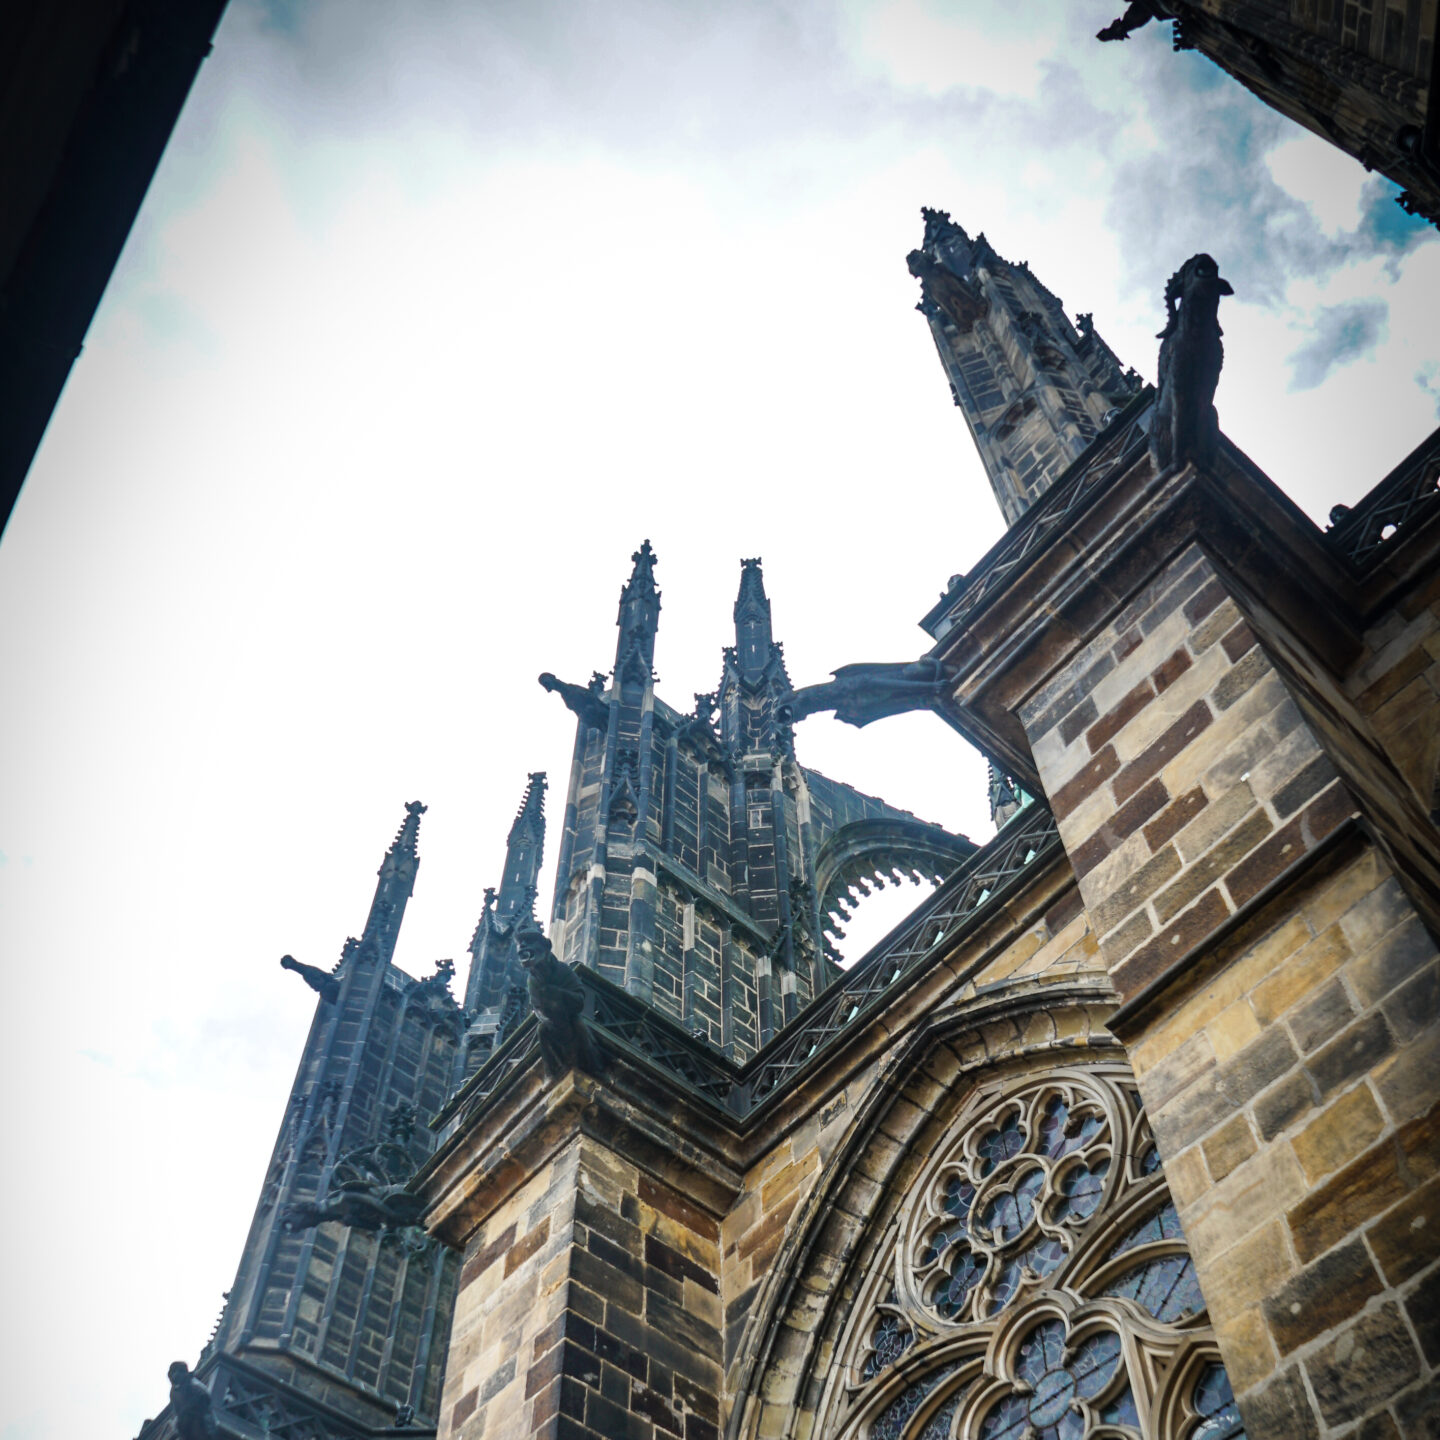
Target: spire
x=493 y=965
x=1034 y=388
x=752 y=622
x=524 y=851
x=396 y=884
x=753 y=679
x=638 y=619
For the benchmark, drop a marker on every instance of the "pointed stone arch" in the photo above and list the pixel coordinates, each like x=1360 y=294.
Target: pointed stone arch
x=867 y=851
x=805 y=1363
x=778 y=1366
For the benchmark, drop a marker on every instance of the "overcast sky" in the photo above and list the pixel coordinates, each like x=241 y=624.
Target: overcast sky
x=432 y=314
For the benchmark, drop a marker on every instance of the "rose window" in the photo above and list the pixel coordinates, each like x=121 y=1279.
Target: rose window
x=1036 y=1285
x=1004 y=1211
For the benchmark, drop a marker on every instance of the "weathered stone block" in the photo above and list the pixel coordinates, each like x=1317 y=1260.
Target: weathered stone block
x=1415 y=1006
x=1231 y=1144
x=1322 y=1296
x=1085 y=782
x=1298 y=975
x=1321 y=1016
x=1109 y=725
x=1280 y=1408
x=1212 y=866
x=1283 y=1103
x=1366 y=1364
x=1422 y=1305
x=1339 y=1134
x=1136 y=890
x=1353 y=1053
x=1164 y=748
x=1392 y=959
x=1174 y=941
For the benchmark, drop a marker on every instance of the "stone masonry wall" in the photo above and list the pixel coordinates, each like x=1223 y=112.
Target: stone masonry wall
x=1396 y=686
x=1294 y=1098
x=1179 y=769
x=513 y=1288
x=589 y=1309
x=1188 y=785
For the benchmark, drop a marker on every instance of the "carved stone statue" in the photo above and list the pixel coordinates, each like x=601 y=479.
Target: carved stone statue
x=1185 y=425
x=190 y=1404
x=859 y=694
x=587 y=703
x=1137 y=13
x=557 y=997
x=326 y=985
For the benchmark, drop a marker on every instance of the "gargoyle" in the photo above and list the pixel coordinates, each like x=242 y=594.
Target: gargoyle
x=190 y=1404
x=557 y=997
x=364 y=1191
x=360 y=1205
x=1137 y=13
x=699 y=729
x=859 y=694
x=587 y=704
x=1185 y=426
x=326 y=985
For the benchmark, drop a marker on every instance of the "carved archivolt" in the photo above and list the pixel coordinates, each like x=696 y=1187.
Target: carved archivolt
x=1036 y=1285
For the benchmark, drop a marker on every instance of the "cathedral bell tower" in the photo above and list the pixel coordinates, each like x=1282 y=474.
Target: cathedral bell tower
x=1035 y=389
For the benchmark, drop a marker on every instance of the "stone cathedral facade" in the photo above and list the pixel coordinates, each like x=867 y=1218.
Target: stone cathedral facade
x=1131 y=1131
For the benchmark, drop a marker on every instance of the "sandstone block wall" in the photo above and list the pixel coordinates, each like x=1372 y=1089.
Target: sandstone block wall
x=1294 y=1098
x=513 y=1288
x=589 y=1309
x=1290 y=1074
x=1396 y=686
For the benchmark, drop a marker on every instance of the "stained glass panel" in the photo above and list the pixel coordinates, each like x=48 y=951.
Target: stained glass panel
x=1060 y=1132
x=955 y=1288
x=891 y=1420
x=1047 y=1407
x=1164 y=1224
x=889 y=1340
x=1165 y=1286
x=997 y=1146
x=1081 y=1189
x=1011 y=1211
x=1215 y=1403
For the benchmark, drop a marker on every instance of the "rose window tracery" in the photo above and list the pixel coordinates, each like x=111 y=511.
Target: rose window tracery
x=1037 y=1285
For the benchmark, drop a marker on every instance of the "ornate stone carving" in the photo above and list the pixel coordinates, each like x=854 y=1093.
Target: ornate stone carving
x=368 y=1187
x=859 y=694
x=190 y=1405
x=946 y=291
x=1037 y=1286
x=1137 y=14
x=325 y=985
x=587 y=703
x=557 y=998
x=1185 y=425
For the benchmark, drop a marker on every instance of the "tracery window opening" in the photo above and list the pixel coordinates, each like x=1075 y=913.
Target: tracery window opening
x=1038 y=1286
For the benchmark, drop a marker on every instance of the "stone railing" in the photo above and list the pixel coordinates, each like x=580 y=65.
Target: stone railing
x=1122 y=441
x=1407 y=497
x=976 y=887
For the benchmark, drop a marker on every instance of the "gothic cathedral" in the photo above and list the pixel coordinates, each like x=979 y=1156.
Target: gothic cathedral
x=1128 y=1132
